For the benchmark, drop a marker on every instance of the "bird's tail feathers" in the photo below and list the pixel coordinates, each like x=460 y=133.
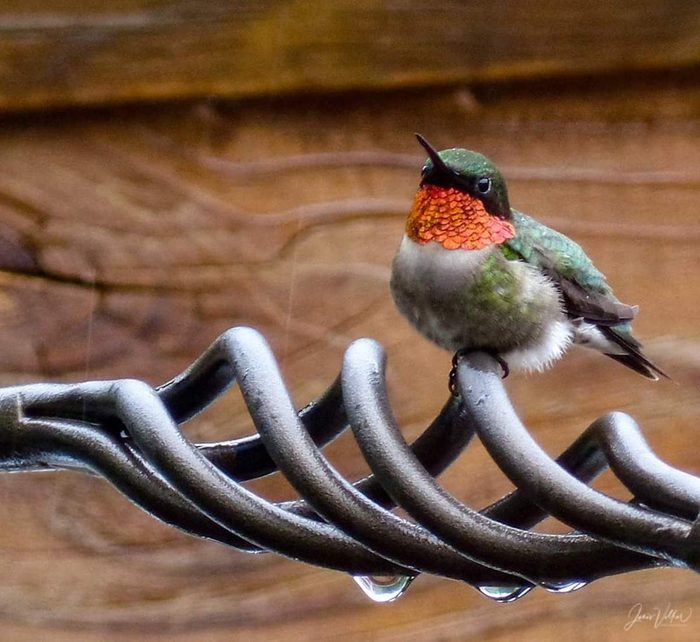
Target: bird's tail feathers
x=633 y=356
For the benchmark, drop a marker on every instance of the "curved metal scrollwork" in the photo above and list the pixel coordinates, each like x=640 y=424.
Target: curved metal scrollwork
x=129 y=433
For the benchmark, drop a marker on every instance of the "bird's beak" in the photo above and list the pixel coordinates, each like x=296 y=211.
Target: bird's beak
x=438 y=163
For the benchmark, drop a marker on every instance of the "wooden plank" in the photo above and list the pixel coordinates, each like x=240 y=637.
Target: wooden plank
x=88 y=53
x=130 y=239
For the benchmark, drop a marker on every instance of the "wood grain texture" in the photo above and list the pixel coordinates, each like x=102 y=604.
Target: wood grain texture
x=77 y=52
x=131 y=238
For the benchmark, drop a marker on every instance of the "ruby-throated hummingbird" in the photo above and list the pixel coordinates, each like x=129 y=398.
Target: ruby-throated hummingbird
x=472 y=273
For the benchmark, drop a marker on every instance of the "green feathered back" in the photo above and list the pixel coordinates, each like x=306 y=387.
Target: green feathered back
x=546 y=248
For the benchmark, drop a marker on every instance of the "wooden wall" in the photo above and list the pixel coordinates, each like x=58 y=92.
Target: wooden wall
x=171 y=169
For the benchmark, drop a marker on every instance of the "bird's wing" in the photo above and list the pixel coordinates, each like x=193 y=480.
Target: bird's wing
x=585 y=292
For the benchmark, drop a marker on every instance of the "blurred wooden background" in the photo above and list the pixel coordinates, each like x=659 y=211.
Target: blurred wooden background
x=171 y=169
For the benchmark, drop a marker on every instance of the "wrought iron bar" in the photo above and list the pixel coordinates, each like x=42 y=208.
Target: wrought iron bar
x=129 y=433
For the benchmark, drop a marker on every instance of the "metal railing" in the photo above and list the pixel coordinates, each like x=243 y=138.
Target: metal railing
x=129 y=433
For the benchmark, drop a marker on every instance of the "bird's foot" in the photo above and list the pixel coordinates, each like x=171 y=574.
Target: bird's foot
x=462 y=352
x=501 y=362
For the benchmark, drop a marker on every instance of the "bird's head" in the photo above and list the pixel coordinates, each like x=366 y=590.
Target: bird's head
x=462 y=202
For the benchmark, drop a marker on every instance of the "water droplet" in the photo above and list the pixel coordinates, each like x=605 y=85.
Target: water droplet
x=566 y=586
x=383 y=588
x=504 y=593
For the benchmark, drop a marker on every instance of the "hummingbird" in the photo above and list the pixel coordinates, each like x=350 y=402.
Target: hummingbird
x=473 y=273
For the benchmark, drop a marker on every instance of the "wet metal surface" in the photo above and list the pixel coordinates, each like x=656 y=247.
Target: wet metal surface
x=129 y=433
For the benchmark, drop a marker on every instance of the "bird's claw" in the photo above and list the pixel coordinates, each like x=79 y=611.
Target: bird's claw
x=503 y=363
x=452 y=378
x=452 y=381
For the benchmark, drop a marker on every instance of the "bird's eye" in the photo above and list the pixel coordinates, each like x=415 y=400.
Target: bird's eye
x=484 y=185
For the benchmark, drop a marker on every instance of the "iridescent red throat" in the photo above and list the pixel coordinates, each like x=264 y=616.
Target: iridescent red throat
x=454 y=219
